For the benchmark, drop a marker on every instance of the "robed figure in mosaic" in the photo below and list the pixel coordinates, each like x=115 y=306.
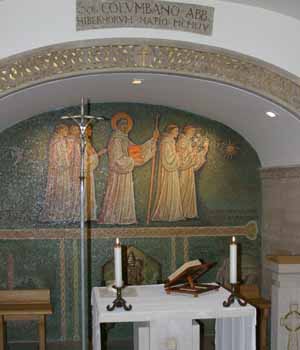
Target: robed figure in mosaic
x=168 y=204
x=74 y=159
x=58 y=197
x=91 y=163
x=123 y=156
x=191 y=159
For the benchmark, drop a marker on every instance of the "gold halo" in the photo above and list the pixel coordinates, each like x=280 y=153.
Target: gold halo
x=118 y=116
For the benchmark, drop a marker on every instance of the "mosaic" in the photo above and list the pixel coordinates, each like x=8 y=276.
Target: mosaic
x=199 y=175
x=182 y=170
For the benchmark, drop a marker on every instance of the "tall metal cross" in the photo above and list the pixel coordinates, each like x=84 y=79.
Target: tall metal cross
x=83 y=121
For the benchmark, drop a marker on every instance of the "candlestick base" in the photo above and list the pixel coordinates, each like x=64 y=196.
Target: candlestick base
x=119 y=302
x=234 y=296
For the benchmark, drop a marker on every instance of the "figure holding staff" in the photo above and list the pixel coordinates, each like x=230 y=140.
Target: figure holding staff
x=123 y=156
x=152 y=175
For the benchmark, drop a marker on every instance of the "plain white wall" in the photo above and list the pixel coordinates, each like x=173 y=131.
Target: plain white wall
x=267 y=35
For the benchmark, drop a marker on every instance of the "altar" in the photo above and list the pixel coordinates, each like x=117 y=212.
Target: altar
x=166 y=322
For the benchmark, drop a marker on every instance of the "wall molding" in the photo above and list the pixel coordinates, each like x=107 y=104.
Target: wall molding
x=280 y=173
x=173 y=254
x=62 y=277
x=146 y=55
x=250 y=230
x=186 y=250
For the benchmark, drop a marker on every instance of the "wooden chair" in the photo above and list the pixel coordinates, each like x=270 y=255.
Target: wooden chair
x=32 y=304
x=250 y=292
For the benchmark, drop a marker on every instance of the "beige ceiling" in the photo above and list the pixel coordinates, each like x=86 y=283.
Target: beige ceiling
x=276 y=140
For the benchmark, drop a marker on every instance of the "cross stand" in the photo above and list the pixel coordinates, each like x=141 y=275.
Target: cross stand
x=119 y=302
x=234 y=296
x=83 y=121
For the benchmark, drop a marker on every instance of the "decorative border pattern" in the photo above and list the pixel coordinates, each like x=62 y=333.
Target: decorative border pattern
x=62 y=259
x=249 y=230
x=173 y=254
x=157 y=56
x=10 y=272
x=186 y=249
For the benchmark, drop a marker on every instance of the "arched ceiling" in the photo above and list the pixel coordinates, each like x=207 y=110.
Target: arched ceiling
x=276 y=140
x=290 y=8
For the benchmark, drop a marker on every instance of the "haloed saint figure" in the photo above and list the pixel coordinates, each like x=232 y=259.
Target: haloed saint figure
x=181 y=154
x=123 y=156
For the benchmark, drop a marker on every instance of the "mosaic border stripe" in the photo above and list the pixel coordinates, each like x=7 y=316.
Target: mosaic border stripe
x=186 y=249
x=173 y=254
x=250 y=230
x=63 y=289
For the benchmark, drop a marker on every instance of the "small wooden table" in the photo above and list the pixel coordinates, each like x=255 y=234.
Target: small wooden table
x=32 y=304
x=251 y=294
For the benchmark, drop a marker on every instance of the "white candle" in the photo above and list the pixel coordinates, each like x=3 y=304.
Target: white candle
x=233 y=261
x=118 y=264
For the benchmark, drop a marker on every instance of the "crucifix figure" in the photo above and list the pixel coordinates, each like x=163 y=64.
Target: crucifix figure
x=291 y=322
x=83 y=121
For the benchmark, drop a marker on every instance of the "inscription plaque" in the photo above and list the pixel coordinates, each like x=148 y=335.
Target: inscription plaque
x=95 y=14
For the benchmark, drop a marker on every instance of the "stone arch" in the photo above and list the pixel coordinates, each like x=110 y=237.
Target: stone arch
x=156 y=56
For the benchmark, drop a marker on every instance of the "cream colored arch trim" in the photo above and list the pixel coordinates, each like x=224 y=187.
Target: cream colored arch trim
x=157 y=56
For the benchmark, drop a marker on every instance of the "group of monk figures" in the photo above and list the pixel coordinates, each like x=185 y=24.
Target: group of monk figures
x=180 y=156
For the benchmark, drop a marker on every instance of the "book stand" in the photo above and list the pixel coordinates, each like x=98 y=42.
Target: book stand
x=186 y=281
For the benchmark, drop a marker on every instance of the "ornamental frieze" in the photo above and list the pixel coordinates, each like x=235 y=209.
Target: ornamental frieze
x=65 y=60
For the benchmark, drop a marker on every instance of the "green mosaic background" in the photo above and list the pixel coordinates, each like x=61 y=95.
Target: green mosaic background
x=228 y=194
x=226 y=187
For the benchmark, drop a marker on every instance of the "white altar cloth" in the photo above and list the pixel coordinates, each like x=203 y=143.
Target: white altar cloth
x=170 y=317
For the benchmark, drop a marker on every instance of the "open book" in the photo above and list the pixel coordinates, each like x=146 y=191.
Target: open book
x=184 y=268
x=184 y=279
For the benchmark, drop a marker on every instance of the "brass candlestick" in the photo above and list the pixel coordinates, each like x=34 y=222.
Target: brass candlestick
x=234 y=296
x=119 y=302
